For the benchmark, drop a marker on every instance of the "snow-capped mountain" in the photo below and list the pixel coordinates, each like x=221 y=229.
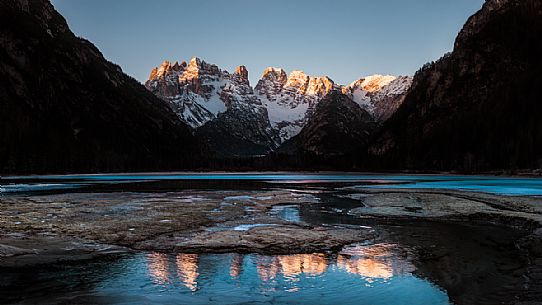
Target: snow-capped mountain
x=380 y=95
x=338 y=126
x=291 y=99
x=220 y=105
x=200 y=93
x=193 y=90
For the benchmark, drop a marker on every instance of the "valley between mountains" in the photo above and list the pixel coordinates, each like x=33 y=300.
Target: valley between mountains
x=66 y=109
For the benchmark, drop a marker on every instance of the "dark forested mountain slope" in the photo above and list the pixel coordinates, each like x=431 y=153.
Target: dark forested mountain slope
x=479 y=107
x=63 y=107
x=337 y=127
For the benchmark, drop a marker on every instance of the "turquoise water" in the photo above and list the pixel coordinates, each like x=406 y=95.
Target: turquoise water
x=488 y=184
x=500 y=186
x=156 y=278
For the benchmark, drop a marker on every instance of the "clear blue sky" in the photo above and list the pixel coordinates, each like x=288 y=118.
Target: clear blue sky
x=344 y=39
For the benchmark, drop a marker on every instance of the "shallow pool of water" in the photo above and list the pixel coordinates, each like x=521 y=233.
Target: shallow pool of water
x=370 y=274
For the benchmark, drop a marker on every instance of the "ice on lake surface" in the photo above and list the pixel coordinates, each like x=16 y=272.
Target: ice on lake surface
x=488 y=184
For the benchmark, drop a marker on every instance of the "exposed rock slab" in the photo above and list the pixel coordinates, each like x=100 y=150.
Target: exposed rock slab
x=193 y=221
x=270 y=239
x=449 y=205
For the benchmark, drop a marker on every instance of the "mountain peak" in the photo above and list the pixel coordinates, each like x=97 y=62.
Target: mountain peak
x=297 y=73
x=277 y=73
x=242 y=72
x=373 y=83
x=320 y=85
x=297 y=79
x=305 y=84
x=177 y=67
x=195 y=62
x=154 y=73
x=164 y=69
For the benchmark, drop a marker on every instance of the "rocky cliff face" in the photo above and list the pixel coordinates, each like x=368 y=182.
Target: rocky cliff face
x=221 y=106
x=64 y=108
x=193 y=90
x=379 y=95
x=291 y=99
x=479 y=107
x=337 y=127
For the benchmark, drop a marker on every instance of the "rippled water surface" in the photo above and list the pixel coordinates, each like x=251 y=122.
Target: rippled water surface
x=361 y=275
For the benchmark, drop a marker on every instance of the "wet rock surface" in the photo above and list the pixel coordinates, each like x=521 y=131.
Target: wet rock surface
x=448 y=205
x=273 y=239
x=198 y=222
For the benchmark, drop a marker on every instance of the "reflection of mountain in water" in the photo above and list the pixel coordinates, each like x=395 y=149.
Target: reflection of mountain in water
x=159 y=264
x=187 y=270
x=371 y=262
x=236 y=266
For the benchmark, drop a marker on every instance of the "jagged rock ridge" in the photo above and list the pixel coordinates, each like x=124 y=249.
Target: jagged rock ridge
x=222 y=106
x=216 y=102
x=291 y=100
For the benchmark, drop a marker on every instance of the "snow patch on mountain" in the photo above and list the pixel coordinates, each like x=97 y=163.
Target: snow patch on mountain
x=201 y=93
x=290 y=100
x=280 y=103
x=380 y=95
x=193 y=90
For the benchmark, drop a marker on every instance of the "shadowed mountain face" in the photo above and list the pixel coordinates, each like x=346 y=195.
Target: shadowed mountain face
x=479 y=107
x=337 y=127
x=64 y=108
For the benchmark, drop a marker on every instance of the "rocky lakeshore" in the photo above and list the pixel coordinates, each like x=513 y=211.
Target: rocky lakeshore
x=199 y=222
x=499 y=213
x=76 y=226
